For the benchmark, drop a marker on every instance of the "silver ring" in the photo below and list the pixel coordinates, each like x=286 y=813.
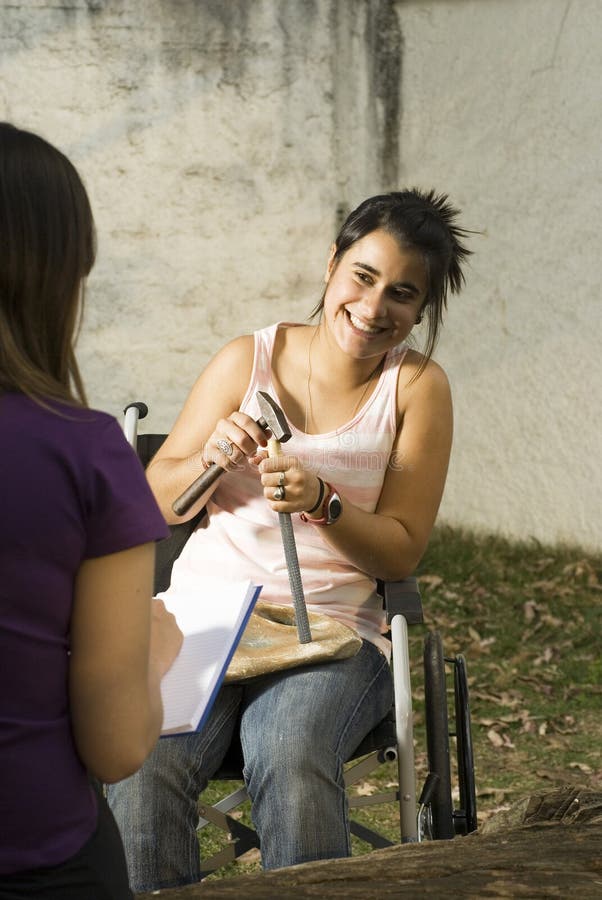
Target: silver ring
x=279 y=493
x=281 y=479
x=225 y=446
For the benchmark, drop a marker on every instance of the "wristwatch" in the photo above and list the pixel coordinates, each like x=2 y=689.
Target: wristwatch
x=331 y=508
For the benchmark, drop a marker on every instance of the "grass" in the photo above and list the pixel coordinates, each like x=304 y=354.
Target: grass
x=527 y=618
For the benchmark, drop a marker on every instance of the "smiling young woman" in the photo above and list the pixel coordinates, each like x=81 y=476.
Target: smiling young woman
x=371 y=423
x=374 y=294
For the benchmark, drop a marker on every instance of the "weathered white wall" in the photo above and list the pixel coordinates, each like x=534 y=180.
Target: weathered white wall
x=218 y=140
x=502 y=107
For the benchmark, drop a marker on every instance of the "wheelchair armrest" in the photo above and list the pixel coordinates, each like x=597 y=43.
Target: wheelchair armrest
x=402 y=598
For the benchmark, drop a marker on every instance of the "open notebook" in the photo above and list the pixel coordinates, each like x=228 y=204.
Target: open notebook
x=212 y=620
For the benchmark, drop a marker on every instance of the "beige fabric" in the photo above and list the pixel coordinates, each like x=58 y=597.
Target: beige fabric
x=270 y=642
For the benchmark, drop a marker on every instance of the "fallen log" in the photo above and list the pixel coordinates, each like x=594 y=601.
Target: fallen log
x=556 y=854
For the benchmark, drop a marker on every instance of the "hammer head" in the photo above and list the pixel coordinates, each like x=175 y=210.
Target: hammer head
x=272 y=417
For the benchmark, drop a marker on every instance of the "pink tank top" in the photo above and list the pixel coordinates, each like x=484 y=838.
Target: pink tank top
x=242 y=534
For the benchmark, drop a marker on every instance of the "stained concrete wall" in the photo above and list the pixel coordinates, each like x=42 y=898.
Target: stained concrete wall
x=221 y=142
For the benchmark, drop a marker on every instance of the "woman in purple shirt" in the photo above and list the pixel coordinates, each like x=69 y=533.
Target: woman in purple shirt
x=83 y=647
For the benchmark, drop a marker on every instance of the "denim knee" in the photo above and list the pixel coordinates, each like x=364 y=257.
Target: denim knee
x=156 y=809
x=296 y=732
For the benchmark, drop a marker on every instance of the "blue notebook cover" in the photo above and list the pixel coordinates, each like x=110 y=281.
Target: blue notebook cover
x=213 y=619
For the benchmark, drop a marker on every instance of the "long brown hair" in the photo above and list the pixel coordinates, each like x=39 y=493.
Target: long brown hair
x=47 y=248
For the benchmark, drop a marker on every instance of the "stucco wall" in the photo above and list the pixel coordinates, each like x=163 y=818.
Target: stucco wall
x=221 y=140
x=502 y=106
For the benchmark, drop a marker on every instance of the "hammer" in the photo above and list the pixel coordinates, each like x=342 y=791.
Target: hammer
x=271 y=418
x=286 y=527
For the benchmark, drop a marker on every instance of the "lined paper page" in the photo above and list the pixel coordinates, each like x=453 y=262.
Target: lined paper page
x=212 y=620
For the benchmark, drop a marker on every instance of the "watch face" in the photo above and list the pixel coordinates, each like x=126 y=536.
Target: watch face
x=335 y=508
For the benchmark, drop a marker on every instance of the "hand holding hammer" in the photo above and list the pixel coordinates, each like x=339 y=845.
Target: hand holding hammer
x=273 y=419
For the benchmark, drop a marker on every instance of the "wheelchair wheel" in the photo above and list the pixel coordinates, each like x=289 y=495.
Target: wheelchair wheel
x=437 y=737
x=465 y=818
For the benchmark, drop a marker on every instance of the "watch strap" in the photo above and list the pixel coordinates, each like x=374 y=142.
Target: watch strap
x=323 y=520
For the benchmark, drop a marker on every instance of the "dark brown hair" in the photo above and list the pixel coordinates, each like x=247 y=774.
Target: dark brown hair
x=422 y=220
x=47 y=248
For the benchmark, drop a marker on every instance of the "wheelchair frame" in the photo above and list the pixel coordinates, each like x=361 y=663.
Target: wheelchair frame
x=431 y=816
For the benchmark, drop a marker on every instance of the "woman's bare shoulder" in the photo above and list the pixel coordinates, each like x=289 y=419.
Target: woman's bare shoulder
x=421 y=379
x=239 y=348
x=232 y=362
x=415 y=368
x=228 y=371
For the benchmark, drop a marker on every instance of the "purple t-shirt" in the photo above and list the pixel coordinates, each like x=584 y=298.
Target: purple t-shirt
x=71 y=488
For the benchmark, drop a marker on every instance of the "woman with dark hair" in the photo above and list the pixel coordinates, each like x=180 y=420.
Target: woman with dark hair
x=82 y=645
x=362 y=476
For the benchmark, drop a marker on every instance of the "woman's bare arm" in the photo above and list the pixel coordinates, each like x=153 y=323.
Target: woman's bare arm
x=122 y=643
x=209 y=413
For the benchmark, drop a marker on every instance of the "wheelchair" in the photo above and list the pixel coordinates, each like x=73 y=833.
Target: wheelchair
x=430 y=816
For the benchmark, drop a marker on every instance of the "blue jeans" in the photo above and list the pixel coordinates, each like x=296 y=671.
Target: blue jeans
x=297 y=728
